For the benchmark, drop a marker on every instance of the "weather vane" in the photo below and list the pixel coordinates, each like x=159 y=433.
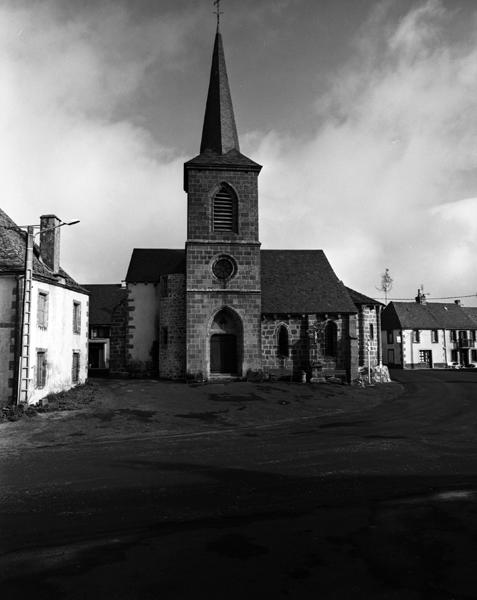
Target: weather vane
x=217 y=11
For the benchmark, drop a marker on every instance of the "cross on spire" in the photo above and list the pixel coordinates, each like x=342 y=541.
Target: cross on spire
x=217 y=12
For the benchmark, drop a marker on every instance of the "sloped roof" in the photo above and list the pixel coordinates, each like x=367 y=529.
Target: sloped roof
x=219 y=133
x=432 y=315
x=359 y=299
x=103 y=299
x=12 y=255
x=293 y=281
x=148 y=264
x=301 y=281
x=471 y=312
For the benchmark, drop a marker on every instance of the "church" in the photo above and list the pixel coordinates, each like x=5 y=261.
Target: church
x=224 y=308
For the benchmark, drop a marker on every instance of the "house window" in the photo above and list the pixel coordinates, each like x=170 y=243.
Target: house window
x=416 y=336
x=453 y=335
x=164 y=336
x=224 y=210
x=75 y=369
x=371 y=331
x=473 y=354
x=164 y=286
x=99 y=332
x=454 y=355
x=76 y=317
x=42 y=312
x=40 y=369
x=331 y=338
x=390 y=335
x=434 y=336
x=283 y=344
x=474 y=335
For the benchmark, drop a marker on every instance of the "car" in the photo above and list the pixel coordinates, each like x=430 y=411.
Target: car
x=455 y=365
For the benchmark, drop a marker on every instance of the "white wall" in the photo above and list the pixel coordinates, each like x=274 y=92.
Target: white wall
x=143 y=304
x=58 y=339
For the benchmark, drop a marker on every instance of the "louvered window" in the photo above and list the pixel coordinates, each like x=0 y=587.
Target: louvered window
x=225 y=210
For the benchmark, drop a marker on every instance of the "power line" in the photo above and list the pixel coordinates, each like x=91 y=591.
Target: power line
x=454 y=297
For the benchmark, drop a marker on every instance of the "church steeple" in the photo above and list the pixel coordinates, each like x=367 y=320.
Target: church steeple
x=219 y=133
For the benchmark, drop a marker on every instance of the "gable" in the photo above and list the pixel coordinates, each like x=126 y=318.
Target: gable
x=148 y=264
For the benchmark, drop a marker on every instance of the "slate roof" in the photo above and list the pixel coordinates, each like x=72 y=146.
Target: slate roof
x=103 y=299
x=301 y=281
x=432 y=315
x=148 y=264
x=293 y=281
x=471 y=312
x=12 y=255
x=360 y=299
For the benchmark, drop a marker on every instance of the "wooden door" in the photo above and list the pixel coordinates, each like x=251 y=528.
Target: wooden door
x=223 y=353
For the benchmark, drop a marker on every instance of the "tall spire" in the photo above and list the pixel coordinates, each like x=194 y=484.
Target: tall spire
x=219 y=133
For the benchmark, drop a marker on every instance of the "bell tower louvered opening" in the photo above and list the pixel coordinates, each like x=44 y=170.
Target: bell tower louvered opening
x=225 y=210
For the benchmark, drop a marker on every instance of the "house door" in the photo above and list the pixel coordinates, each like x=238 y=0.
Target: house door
x=425 y=359
x=223 y=353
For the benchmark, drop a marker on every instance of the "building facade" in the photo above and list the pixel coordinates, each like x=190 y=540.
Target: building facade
x=43 y=316
x=223 y=306
x=428 y=335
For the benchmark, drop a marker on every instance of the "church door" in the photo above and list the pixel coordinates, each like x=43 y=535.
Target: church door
x=226 y=334
x=223 y=353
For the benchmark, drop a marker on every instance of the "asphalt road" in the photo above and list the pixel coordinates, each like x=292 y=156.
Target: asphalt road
x=377 y=501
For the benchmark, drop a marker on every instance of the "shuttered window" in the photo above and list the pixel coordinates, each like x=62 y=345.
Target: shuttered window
x=225 y=210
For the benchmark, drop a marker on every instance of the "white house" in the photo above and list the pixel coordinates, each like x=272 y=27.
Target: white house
x=43 y=316
x=428 y=335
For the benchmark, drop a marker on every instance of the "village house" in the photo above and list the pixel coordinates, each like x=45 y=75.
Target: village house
x=224 y=307
x=429 y=335
x=43 y=315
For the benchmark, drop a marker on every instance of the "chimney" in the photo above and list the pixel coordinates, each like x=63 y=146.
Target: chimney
x=50 y=241
x=458 y=302
x=420 y=298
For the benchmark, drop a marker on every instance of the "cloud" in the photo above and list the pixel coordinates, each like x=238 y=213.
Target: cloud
x=63 y=147
x=393 y=139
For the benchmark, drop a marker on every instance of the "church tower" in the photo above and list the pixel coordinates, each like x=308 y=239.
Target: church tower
x=223 y=296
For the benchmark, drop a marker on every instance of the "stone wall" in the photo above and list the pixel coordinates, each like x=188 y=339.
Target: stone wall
x=8 y=338
x=118 y=340
x=201 y=309
x=143 y=321
x=172 y=319
x=303 y=351
x=368 y=316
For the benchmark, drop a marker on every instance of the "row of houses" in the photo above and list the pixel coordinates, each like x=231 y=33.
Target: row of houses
x=219 y=307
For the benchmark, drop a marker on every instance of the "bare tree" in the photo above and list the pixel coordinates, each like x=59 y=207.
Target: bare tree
x=386 y=284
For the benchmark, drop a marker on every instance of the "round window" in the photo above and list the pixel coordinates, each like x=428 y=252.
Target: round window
x=224 y=268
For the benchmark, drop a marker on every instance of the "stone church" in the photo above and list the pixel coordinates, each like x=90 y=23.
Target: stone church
x=222 y=307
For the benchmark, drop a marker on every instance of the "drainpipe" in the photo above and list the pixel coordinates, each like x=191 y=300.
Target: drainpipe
x=380 y=341
x=445 y=347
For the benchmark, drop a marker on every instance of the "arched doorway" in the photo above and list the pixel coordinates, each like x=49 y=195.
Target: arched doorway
x=226 y=343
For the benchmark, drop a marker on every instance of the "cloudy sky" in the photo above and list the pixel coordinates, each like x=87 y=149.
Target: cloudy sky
x=363 y=113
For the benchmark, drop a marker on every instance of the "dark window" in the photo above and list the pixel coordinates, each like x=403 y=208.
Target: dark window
x=75 y=369
x=474 y=335
x=283 y=344
x=454 y=355
x=453 y=335
x=42 y=312
x=331 y=338
x=390 y=336
x=371 y=331
x=164 y=287
x=99 y=332
x=416 y=336
x=76 y=317
x=224 y=210
x=164 y=336
x=473 y=355
x=434 y=336
x=40 y=369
